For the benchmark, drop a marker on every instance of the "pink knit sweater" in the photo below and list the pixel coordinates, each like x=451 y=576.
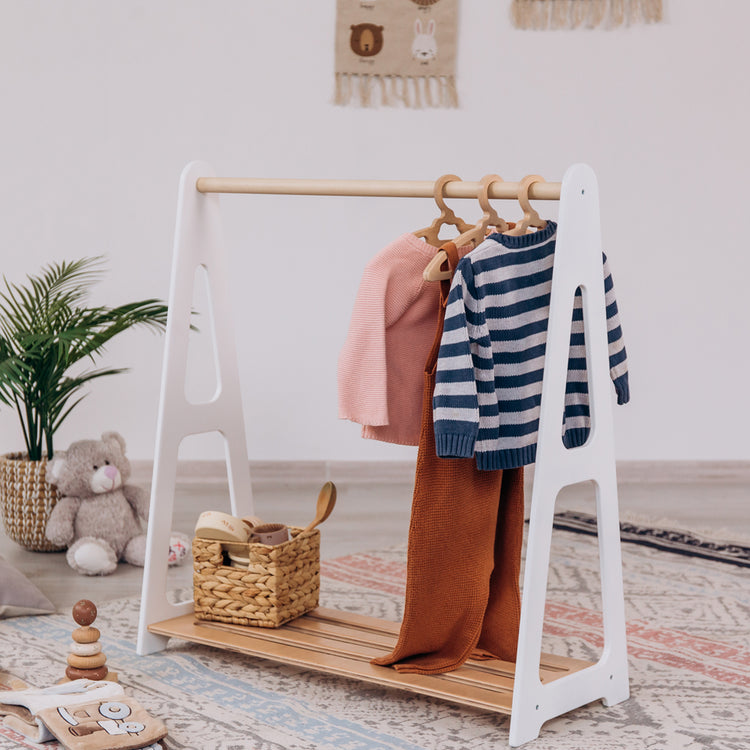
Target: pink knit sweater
x=381 y=365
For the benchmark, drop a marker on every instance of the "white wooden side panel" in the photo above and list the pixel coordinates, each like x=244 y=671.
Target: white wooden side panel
x=578 y=262
x=198 y=242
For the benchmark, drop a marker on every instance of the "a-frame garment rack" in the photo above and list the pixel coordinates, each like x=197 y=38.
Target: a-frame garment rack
x=539 y=686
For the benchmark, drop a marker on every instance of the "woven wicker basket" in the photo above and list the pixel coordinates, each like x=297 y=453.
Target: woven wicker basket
x=26 y=500
x=280 y=583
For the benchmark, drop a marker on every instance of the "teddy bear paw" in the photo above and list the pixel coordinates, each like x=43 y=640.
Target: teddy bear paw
x=90 y=556
x=135 y=551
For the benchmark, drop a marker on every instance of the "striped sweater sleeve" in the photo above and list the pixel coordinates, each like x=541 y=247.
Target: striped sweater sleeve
x=464 y=380
x=577 y=410
x=618 y=359
x=577 y=407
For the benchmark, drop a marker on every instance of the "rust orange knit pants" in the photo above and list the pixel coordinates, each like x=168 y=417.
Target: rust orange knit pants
x=464 y=553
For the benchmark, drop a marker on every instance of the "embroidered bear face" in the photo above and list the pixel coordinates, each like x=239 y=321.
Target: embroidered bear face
x=366 y=39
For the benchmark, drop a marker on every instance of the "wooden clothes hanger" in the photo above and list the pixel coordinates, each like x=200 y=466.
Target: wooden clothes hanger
x=431 y=233
x=473 y=235
x=484 y=201
x=531 y=217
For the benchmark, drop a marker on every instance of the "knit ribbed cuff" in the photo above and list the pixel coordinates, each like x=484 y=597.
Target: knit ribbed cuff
x=510 y=458
x=576 y=437
x=454 y=445
x=622 y=388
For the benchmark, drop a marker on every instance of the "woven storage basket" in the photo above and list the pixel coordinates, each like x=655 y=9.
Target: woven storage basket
x=280 y=583
x=27 y=499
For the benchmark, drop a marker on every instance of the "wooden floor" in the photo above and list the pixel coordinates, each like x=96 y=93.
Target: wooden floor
x=373 y=512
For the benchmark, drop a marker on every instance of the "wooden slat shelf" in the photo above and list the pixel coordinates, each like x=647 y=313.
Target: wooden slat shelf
x=343 y=644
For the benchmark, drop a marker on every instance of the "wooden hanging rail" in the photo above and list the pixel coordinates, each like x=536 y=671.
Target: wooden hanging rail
x=372 y=188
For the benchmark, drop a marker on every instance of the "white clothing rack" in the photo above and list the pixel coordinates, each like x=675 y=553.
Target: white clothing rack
x=539 y=686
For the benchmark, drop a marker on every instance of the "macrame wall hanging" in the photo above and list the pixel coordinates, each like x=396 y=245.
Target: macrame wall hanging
x=396 y=53
x=584 y=14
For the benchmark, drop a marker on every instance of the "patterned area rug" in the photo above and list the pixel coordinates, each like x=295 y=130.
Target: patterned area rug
x=688 y=645
x=669 y=537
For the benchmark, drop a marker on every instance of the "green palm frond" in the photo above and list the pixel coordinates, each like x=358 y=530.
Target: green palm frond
x=45 y=329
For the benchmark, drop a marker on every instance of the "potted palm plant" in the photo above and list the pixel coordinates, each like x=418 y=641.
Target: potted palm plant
x=47 y=336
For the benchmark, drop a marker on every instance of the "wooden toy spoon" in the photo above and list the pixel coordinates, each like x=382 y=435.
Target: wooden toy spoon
x=326 y=501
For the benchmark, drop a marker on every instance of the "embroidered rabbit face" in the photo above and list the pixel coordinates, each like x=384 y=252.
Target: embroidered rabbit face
x=424 y=46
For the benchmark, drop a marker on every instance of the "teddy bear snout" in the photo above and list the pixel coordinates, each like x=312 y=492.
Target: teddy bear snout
x=105 y=479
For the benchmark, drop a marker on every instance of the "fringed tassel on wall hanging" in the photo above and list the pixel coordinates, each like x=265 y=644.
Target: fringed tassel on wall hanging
x=584 y=14
x=413 y=92
x=396 y=53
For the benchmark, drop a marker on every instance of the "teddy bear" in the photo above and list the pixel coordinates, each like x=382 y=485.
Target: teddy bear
x=98 y=516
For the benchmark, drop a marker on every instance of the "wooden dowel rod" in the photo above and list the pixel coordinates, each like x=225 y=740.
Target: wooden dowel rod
x=371 y=188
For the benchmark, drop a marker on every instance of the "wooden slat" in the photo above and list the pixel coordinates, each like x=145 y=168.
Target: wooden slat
x=331 y=620
x=349 y=643
x=343 y=643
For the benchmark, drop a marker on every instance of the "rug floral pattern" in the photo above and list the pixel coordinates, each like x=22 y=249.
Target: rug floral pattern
x=688 y=647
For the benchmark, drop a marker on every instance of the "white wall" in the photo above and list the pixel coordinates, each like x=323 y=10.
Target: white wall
x=103 y=103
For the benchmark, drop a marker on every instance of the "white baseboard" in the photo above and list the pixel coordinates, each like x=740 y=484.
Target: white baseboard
x=287 y=472
x=678 y=472
x=392 y=472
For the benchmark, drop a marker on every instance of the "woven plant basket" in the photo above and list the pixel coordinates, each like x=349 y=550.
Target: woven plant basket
x=280 y=583
x=26 y=499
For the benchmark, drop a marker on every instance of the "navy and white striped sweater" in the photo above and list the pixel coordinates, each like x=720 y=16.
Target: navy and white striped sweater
x=489 y=374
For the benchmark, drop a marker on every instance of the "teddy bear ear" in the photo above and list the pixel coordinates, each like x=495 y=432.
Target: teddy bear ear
x=54 y=469
x=114 y=437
